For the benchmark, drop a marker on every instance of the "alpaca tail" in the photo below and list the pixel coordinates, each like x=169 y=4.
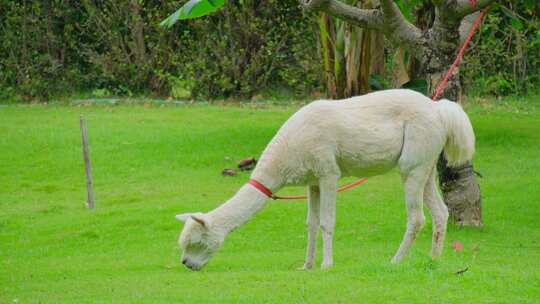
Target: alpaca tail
x=459 y=146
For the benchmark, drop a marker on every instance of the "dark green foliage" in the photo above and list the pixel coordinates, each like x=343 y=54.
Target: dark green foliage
x=247 y=48
x=419 y=85
x=506 y=58
x=131 y=54
x=39 y=50
x=118 y=47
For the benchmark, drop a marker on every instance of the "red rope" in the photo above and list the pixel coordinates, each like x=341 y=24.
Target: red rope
x=443 y=82
x=438 y=92
x=340 y=189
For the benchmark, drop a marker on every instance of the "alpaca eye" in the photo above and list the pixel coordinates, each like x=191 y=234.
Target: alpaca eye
x=197 y=246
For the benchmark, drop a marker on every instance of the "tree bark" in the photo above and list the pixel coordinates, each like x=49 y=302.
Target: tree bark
x=459 y=186
x=435 y=49
x=365 y=56
x=377 y=65
x=365 y=61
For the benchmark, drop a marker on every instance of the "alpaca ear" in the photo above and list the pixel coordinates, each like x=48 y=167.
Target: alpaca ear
x=199 y=220
x=183 y=217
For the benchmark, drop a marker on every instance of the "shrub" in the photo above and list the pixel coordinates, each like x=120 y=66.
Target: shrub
x=505 y=59
x=52 y=47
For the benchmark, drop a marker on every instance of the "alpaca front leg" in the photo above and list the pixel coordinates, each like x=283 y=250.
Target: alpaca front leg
x=313 y=222
x=328 y=189
x=414 y=190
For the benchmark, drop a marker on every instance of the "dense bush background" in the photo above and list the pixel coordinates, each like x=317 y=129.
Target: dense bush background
x=505 y=57
x=60 y=47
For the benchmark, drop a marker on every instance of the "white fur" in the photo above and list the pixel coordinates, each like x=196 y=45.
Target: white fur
x=326 y=140
x=459 y=146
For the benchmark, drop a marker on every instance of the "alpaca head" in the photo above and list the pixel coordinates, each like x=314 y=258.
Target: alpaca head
x=197 y=240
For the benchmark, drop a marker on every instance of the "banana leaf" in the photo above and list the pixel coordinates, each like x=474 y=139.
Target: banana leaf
x=193 y=9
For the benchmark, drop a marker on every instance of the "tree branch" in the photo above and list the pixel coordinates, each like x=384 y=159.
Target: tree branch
x=397 y=28
x=390 y=9
x=388 y=19
x=313 y=4
x=466 y=7
x=365 y=18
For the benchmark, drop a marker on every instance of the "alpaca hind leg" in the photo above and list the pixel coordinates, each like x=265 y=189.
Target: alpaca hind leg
x=439 y=214
x=414 y=182
x=328 y=187
x=313 y=222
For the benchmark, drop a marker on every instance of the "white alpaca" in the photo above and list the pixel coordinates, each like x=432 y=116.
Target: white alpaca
x=325 y=140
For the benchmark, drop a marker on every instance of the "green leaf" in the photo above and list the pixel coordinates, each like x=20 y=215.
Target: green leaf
x=406 y=9
x=193 y=9
x=514 y=18
x=419 y=85
x=530 y=4
x=516 y=24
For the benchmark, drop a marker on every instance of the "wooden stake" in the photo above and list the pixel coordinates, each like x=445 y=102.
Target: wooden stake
x=86 y=154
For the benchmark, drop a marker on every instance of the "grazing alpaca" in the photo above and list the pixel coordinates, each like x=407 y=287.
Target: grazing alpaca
x=325 y=140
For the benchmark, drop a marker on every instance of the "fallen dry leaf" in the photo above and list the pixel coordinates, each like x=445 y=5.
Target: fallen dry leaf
x=247 y=163
x=228 y=172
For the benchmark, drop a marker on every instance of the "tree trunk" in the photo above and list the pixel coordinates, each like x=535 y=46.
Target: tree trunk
x=435 y=49
x=400 y=75
x=365 y=61
x=377 y=65
x=459 y=186
x=340 y=63
x=353 y=48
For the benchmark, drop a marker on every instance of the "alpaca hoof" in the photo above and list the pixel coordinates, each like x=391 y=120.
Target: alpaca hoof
x=395 y=260
x=307 y=266
x=326 y=265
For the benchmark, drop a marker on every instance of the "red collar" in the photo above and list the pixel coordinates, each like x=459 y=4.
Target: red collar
x=261 y=188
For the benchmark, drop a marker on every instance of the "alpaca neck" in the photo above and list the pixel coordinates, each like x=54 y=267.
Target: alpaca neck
x=238 y=210
x=249 y=200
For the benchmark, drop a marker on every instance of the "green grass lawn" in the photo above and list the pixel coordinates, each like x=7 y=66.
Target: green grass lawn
x=150 y=163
